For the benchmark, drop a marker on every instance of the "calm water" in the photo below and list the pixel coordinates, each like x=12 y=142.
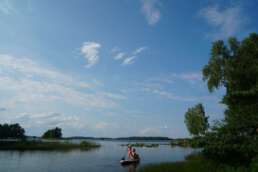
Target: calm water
x=104 y=159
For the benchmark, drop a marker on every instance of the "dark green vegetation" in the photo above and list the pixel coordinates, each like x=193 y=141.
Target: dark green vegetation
x=234 y=66
x=198 y=163
x=11 y=131
x=196 y=142
x=180 y=142
x=43 y=145
x=13 y=138
x=151 y=145
x=196 y=121
x=197 y=124
x=55 y=133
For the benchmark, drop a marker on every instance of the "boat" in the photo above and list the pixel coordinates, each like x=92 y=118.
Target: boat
x=129 y=162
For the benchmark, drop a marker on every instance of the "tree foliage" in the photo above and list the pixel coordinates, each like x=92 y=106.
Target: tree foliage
x=196 y=121
x=55 y=133
x=13 y=131
x=234 y=66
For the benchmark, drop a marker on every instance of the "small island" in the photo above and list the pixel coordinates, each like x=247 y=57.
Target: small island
x=142 y=145
x=12 y=137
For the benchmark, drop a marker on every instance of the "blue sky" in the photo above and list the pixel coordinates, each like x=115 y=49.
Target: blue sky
x=112 y=68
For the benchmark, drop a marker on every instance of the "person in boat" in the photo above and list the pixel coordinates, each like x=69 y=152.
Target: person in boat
x=135 y=155
x=130 y=153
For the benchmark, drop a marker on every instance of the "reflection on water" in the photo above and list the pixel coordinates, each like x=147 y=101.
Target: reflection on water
x=105 y=159
x=131 y=168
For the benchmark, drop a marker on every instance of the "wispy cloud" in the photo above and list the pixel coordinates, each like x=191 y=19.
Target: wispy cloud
x=139 y=50
x=26 y=83
x=49 y=120
x=127 y=58
x=120 y=55
x=191 y=77
x=90 y=51
x=166 y=94
x=151 y=11
x=224 y=22
x=160 y=86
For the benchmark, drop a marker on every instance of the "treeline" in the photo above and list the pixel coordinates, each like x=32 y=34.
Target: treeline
x=15 y=131
x=11 y=131
x=233 y=66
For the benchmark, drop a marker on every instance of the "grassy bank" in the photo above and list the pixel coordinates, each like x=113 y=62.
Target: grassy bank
x=46 y=145
x=197 y=163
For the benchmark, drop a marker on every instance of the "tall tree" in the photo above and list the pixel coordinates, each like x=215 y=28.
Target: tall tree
x=196 y=121
x=234 y=66
x=55 y=133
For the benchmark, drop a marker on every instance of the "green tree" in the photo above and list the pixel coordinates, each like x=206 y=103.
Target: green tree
x=196 y=121
x=234 y=66
x=11 y=131
x=55 y=133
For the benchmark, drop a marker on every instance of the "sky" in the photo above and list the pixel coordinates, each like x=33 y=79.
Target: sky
x=112 y=68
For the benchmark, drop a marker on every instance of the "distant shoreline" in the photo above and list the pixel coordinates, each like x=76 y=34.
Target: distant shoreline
x=121 y=138
x=48 y=145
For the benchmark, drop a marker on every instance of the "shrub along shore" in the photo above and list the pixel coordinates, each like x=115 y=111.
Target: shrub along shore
x=46 y=145
x=198 y=163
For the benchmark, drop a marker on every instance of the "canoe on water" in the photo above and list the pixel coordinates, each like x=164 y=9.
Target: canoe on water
x=128 y=162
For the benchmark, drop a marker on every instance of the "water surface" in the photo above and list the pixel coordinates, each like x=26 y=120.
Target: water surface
x=104 y=159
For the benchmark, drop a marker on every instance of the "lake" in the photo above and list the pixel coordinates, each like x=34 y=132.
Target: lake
x=104 y=159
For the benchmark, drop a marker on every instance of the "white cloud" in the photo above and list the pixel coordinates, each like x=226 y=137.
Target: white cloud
x=169 y=95
x=28 y=68
x=139 y=50
x=29 y=92
x=191 y=77
x=151 y=11
x=90 y=50
x=127 y=58
x=160 y=86
x=32 y=92
x=48 y=120
x=225 y=22
x=119 y=56
x=25 y=83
